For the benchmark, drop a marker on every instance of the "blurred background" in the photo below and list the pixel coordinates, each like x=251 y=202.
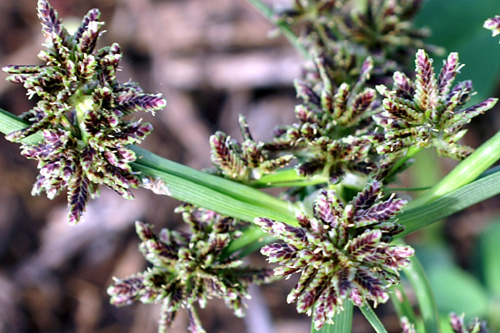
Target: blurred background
x=212 y=60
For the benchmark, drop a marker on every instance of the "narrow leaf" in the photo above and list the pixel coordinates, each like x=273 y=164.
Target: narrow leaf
x=468 y=170
x=373 y=319
x=420 y=216
x=342 y=322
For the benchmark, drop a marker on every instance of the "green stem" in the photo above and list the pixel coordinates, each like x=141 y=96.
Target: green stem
x=428 y=308
x=407 y=189
x=412 y=151
x=284 y=27
x=372 y=319
x=286 y=178
x=402 y=304
x=253 y=247
x=251 y=235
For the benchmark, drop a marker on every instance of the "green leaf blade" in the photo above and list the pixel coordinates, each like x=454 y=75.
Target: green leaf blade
x=342 y=321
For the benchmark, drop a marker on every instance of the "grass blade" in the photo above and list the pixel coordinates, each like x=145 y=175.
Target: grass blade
x=10 y=123
x=373 y=319
x=199 y=195
x=342 y=322
x=455 y=201
x=467 y=171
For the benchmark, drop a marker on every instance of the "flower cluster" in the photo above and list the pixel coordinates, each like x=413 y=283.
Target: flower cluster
x=458 y=326
x=334 y=134
x=382 y=28
x=428 y=112
x=187 y=268
x=406 y=326
x=334 y=126
x=80 y=113
x=243 y=161
x=342 y=128
x=493 y=24
x=342 y=252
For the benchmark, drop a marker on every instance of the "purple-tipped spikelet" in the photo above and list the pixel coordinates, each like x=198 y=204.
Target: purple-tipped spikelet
x=187 y=268
x=80 y=112
x=493 y=24
x=428 y=112
x=475 y=326
x=334 y=133
x=383 y=28
x=243 y=161
x=341 y=252
x=406 y=326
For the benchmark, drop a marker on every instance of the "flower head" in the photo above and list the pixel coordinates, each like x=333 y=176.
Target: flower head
x=428 y=112
x=342 y=252
x=407 y=326
x=334 y=133
x=80 y=113
x=493 y=24
x=475 y=326
x=245 y=160
x=383 y=28
x=187 y=268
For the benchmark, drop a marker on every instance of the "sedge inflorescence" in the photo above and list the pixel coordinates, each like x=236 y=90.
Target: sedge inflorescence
x=80 y=113
x=342 y=252
x=384 y=29
x=349 y=44
x=343 y=131
x=493 y=24
x=475 y=326
x=428 y=112
x=187 y=268
x=343 y=127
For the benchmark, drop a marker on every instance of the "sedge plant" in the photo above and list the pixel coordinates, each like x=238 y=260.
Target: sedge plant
x=369 y=98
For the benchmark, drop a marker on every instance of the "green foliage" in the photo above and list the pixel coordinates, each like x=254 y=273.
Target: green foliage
x=456 y=290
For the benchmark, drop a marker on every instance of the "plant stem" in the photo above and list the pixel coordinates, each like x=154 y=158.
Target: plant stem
x=402 y=304
x=286 y=178
x=251 y=235
x=412 y=151
x=284 y=27
x=416 y=275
